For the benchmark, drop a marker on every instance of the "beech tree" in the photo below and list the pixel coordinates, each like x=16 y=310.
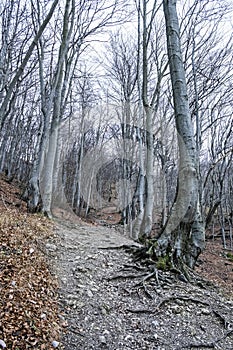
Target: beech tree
x=80 y=21
x=183 y=236
x=9 y=88
x=122 y=74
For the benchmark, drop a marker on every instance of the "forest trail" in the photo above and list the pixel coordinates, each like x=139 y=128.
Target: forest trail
x=102 y=309
x=101 y=302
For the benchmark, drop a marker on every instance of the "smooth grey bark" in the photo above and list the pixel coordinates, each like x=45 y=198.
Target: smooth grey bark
x=123 y=69
x=20 y=70
x=49 y=164
x=146 y=224
x=183 y=236
x=78 y=23
x=150 y=105
x=138 y=221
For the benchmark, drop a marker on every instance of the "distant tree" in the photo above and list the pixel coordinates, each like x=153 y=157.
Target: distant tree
x=80 y=21
x=122 y=74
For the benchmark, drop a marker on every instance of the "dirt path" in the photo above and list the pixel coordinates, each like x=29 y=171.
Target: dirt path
x=104 y=310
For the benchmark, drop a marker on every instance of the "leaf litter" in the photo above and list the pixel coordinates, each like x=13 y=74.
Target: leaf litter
x=29 y=314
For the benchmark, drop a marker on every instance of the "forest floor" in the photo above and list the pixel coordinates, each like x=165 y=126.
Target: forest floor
x=74 y=285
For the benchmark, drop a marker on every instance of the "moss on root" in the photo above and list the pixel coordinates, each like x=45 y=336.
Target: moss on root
x=164 y=263
x=229 y=256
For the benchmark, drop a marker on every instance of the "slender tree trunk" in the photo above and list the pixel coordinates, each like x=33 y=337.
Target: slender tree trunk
x=146 y=225
x=147 y=222
x=48 y=169
x=141 y=188
x=183 y=235
x=20 y=70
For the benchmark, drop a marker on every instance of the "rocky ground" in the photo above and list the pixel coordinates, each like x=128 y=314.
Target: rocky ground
x=109 y=302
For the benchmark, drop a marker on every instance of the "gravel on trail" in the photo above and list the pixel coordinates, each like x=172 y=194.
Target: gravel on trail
x=109 y=302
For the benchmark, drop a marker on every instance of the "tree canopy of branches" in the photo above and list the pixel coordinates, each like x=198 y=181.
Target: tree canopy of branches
x=124 y=106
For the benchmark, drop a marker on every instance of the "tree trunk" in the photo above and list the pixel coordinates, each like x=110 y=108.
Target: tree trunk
x=147 y=222
x=183 y=236
x=7 y=99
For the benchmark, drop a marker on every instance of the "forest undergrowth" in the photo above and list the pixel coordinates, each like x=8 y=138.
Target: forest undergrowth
x=72 y=285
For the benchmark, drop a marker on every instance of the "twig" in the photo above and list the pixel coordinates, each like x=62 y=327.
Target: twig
x=4 y=203
x=146 y=278
x=212 y=343
x=225 y=323
x=123 y=246
x=123 y=276
x=140 y=311
x=134 y=266
x=180 y=297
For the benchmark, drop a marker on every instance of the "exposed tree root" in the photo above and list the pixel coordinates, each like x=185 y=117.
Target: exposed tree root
x=130 y=247
x=212 y=343
x=135 y=266
x=222 y=319
x=140 y=311
x=180 y=297
x=142 y=283
x=123 y=276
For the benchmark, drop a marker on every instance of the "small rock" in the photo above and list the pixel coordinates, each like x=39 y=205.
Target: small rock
x=102 y=339
x=81 y=269
x=155 y=323
x=106 y=332
x=55 y=344
x=65 y=324
x=89 y=293
x=43 y=316
x=50 y=247
x=2 y=344
x=205 y=311
x=61 y=317
x=103 y=311
x=176 y=309
x=129 y=337
x=203 y=328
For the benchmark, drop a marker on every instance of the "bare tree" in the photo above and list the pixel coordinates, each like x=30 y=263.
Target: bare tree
x=183 y=236
x=80 y=21
x=150 y=102
x=7 y=99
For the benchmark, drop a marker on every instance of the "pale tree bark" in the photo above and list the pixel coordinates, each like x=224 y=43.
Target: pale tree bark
x=85 y=93
x=80 y=21
x=123 y=73
x=10 y=89
x=141 y=188
x=183 y=236
x=150 y=105
x=48 y=169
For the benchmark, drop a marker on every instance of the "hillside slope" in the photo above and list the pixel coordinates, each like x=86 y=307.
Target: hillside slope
x=28 y=304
